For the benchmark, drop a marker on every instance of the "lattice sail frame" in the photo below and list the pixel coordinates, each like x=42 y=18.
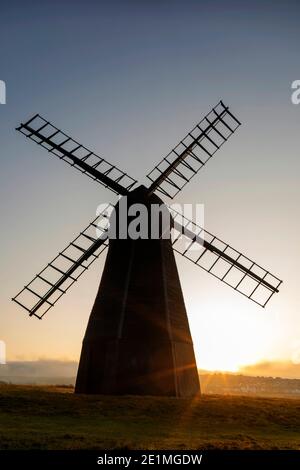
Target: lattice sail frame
x=50 y=284
x=72 y=152
x=222 y=261
x=193 y=152
x=168 y=178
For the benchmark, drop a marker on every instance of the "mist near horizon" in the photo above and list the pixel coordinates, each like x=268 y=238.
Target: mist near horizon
x=43 y=368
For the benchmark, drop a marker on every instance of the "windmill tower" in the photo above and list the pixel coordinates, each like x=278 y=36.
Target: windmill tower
x=138 y=339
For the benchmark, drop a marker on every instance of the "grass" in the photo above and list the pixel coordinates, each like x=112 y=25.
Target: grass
x=47 y=417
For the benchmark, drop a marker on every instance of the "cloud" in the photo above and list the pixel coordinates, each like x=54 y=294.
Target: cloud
x=273 y=369
x=39 y=368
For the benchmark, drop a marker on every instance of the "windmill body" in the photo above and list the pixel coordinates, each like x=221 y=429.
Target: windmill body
x=138 y=339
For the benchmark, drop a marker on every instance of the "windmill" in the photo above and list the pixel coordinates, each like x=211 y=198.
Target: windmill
x=138 y=339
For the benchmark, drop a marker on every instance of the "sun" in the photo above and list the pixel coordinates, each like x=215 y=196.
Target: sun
x=227 y=340
x=224 y=365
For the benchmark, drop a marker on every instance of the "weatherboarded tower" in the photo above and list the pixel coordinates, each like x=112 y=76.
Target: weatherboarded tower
x=138 y=339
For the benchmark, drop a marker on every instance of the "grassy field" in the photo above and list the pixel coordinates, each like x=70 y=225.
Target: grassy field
x=54 y=418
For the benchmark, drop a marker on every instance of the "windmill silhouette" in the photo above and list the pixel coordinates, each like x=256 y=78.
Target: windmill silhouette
x=138 y=339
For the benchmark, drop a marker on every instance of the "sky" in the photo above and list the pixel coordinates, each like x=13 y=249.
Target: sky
x=129 y=79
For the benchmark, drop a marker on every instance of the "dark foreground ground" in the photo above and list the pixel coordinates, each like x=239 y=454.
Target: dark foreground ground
x=54 y=418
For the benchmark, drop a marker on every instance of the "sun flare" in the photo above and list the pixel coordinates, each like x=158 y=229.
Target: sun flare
x=236 y=340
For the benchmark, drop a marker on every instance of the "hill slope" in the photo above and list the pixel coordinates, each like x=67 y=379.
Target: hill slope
x=55 y=418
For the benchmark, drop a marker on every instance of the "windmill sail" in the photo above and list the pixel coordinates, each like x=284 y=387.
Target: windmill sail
x=64 y=147
x=193 y=152
x=47 y=287
x=222 y=261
